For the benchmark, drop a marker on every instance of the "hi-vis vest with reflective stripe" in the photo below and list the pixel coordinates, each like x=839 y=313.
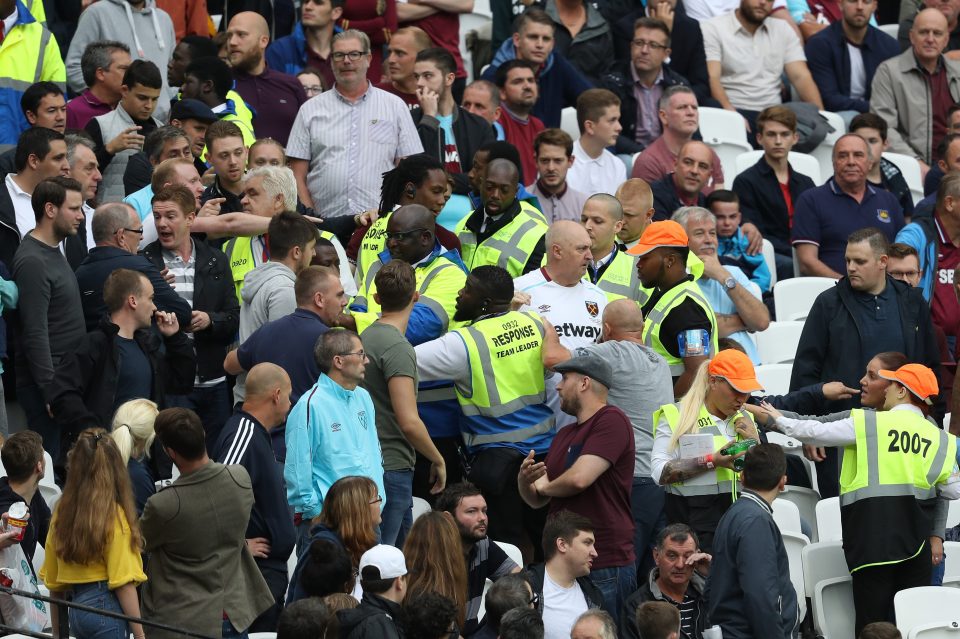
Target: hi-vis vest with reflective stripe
x=438 y=282
x=504 y=403
x=239 y=251
x=896 y=454
x=723 y=479
x=510 y=247
x=621 y=280
x=660 y=310
x=373 y=243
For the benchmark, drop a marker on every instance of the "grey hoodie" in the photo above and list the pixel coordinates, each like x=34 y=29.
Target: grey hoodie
x=149 y=34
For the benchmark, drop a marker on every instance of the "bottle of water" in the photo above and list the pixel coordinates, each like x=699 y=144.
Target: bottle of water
x=713 y=633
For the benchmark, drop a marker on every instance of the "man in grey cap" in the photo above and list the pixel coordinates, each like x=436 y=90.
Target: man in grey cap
x=589 y=471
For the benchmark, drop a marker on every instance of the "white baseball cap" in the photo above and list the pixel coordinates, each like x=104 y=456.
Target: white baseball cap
x=388 y=561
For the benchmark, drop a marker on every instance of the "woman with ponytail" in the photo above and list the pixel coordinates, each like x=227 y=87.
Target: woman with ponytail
x=93 y=547
x=133 y=433
x=700 y=486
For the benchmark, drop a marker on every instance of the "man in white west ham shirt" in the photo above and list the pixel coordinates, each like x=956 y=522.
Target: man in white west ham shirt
x=558 y=292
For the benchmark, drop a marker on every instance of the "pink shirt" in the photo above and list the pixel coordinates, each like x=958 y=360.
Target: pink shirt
x=83 y=108
x=657 y=161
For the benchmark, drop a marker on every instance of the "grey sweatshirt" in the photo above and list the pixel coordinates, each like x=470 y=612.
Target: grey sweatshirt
x=51 y=316
x=149 y=34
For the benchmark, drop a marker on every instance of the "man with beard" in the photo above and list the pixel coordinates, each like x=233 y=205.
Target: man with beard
x=589 y=471
x=485 y=560
x=553 y=152
x=266 y=91
x=497 y=362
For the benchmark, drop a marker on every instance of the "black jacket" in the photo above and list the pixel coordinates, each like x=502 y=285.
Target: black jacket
x=214 y=294
x=650 y=591
x=104 y=260
x=37 y=525
x=762 y=203
x=687 y=55
x=620 y=81
x=374 y=617
x=592 y=594
x=830 y=349
x=470 y=132
x=666 y=200
x=84 y=386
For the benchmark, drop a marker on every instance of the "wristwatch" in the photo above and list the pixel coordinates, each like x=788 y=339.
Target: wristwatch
x=730 y=283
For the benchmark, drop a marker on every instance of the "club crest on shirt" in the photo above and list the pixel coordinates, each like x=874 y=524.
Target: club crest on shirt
x=362 y=416
x=335 y=427
x=883 y=215
x=592 y=307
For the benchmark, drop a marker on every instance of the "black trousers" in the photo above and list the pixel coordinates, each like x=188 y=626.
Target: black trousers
x=875 y=587
x=701 y=513
x=277 y=582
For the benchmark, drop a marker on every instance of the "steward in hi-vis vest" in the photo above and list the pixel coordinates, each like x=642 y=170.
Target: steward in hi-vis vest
x=897 y=470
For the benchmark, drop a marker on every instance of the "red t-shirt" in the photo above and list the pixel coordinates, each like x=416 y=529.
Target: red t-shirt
x=410 y=99
x=944 y=308
x=608 y=434
x=443 y=28
x=521 y=134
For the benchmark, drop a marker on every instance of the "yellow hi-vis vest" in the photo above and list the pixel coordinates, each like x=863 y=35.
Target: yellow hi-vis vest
x=723 y=480
x=438 y=282
x=504 y=401
x=239 y=251
x=373 y=243
x=621 y=280
x=510 y=247
x=659 y=312
x=896 y=461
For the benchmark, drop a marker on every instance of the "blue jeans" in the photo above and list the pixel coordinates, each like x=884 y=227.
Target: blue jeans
x=89 y=625
x=230 y=631
x=646 y=502
x=397 y=515
x=212 y=405
x=616 y=584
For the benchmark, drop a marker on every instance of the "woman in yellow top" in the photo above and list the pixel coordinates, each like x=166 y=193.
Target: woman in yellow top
x=93 y=546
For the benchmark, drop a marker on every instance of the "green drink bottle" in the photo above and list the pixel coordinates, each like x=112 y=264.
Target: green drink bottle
x=736 y=448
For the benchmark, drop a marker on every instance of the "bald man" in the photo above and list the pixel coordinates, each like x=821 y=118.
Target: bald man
x=275 y=96
x=914 y=90
x=501 y=232
x=636 y=201
x=642 y=384
x=612 y=269
x=245 y=440
x=683 y=187
x=559 y=292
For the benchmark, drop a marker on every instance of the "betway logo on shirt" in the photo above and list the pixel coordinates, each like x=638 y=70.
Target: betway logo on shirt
x=569 y=329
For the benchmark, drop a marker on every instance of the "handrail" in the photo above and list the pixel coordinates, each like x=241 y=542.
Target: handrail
x=97 y=611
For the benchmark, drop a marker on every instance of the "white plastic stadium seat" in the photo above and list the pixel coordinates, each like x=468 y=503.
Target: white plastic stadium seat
x=911 y=173
x=778 y=344
x=824 y=152
x=262 y=635
x=568 y=122
x=720 y=125
x=794 y=543
x=826 y=580
x=800 y=162
x=728 y=151
x=48 y=472
x=793 y=298
x=925 y=605
x=953 y=514
x=828 y=519
x=475 y=21
x=420 y=507
x=512 y=552
x=787 y=516
x=891 y=30
x=788 y=444
x=775 y=378
x=770 y=257
x=806 y=501
x=936 y=630
x=951 y=563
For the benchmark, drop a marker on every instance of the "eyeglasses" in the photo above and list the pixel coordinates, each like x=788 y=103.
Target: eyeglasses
x=360 y=353
x=654 y=46
x=138 y=231
x=312 y=89
x=402 y=235
x=902 y=274
x=338 y=56
x=377 y=500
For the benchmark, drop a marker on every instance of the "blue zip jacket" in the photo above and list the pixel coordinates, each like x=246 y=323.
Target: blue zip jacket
x=330 y=434
x=289 y=53
x=921 y=234
x=733 y=250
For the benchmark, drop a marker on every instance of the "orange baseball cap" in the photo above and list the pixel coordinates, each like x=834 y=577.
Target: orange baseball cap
x=916 y=378
x=737 y=369
x=665 y=233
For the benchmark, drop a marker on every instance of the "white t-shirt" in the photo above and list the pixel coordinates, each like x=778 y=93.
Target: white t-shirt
x=706 y=9
x=603 y=174
x=858 y=73
x=561 y=607
x=576 y=313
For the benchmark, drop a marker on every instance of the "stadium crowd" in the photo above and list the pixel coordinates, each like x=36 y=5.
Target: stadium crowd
x=363 y=321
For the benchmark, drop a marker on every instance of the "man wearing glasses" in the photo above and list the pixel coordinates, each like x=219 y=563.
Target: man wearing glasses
x=345 y=139
x=331 y=432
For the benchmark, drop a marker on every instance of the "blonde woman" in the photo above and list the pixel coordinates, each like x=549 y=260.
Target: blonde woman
x=133 y=433
x=701 y=485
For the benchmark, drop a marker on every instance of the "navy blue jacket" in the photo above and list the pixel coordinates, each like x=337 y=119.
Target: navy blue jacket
x=559 y=81
x=245 y=441
x=296 y=591
x=762 y=203
x=666 y=200
x=829 y=62
x=104 y=260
